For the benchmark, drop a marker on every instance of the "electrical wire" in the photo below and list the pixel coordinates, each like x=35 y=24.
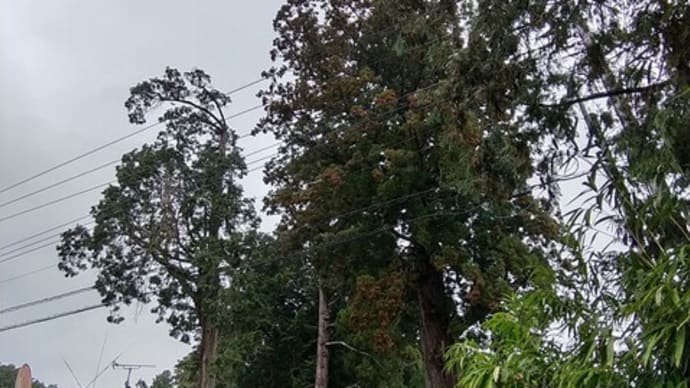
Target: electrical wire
x=103 y=166
x=18 y=255
x=299 y=252
x=49 y=203
x=78 y=157
x=57 y=227
x=103 y=146
x=46 y=300
x=56 y=184
x=51 y=237
x=51 y=317
x=302 y=251
x=386 y=114
x=247 y=85
x=26 y=274
x=117 y=140
x=268 y=147
x=93 y=188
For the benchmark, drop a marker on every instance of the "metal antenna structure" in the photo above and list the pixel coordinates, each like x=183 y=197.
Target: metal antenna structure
x=130 y=368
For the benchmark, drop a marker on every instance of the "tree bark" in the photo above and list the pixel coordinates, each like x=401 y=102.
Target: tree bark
x=210 y=281
x=321 y=380
x=209 y=342
x=434 y=326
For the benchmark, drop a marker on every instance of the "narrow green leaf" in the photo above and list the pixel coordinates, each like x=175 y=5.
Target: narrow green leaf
x=658 y=296
x=496 y=373
x=609 y=351
x=648 y=349
x=678 y=348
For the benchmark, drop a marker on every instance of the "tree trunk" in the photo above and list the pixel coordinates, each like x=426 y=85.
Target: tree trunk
x=209 y=341
x=435 y=322
x=210 y=280
x=321 y=380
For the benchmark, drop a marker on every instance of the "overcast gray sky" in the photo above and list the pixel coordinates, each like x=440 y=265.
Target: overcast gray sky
x=65 y=70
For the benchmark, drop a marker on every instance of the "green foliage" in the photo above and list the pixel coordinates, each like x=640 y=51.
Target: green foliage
x=384 y=106
x=175 y=222
x=617 y=315
x=267 y=325
x=176 y=226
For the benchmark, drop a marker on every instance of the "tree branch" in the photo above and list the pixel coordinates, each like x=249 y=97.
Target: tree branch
x=185 y=278
x=352 y=348
x=220 y=126
x=222 y=116
x=607 y=94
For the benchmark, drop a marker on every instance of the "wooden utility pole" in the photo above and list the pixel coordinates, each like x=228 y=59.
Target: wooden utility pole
x=23 y=377
x=321 y=380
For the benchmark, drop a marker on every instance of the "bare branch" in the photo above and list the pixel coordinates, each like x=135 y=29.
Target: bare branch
x=606 y=94
x=219 y=125
x=352 y=348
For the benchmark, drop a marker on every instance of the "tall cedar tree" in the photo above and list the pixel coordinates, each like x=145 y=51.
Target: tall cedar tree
x=382 y=106
x=176 y=224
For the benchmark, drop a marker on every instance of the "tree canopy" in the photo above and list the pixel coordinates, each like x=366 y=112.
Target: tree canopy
x=424 y=237
x=393 y=141
x=176 y=224
x=618 y=73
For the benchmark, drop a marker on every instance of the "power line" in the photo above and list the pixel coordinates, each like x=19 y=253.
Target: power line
x=102 y=166
x=5 y=260
x=69 y=196
x=25 y=274
x=301 y=251
x=101 y=147
x=375 y=205
x=56 y=184
x=41 y=206
x=320 y=246
x=402 y=197
x=78 y=157
x=261 y=159
x=251 y=170
x=51 y=317
x=117 y=140
x=249 y=84
x=65 y=224
x=29 y=245
x=259 y=167
x=268 y=147
x=433 y=85
x=44 y=232
x=53 y=202
x=47 y=299
x=51 y=237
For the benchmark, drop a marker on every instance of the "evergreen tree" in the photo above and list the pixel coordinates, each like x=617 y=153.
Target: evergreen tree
x=175 y=226
x=404 y=172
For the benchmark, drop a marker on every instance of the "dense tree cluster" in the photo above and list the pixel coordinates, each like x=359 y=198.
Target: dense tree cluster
x=423 y=239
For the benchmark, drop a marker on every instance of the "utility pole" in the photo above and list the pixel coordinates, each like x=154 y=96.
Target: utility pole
x=130 y=368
